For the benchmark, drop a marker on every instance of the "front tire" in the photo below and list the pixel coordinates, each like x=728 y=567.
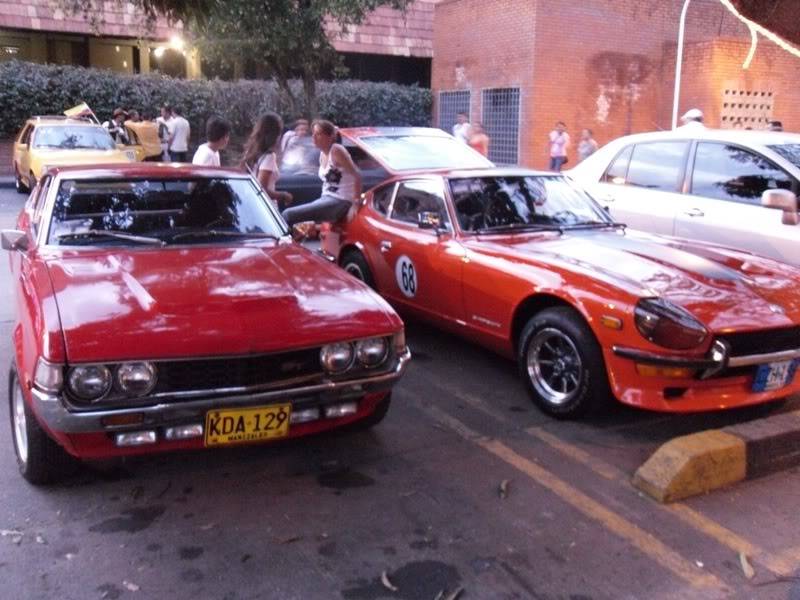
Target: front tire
x=39 y=458
x=562 y=364
x=19 y=185
x=354 y=263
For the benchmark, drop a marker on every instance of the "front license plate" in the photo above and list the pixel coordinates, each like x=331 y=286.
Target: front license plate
x=774 y=375
x=245 y=425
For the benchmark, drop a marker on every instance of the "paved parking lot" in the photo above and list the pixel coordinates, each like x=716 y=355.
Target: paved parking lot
x=465 y=485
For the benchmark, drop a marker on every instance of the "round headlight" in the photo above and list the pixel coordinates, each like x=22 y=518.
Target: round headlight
x=91 y=382
x=668 y=325
x=371 y=352
x=136 y=379
x=337 y=357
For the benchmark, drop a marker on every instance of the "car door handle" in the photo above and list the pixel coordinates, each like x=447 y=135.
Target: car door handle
x=694 y=212
x=386 y=246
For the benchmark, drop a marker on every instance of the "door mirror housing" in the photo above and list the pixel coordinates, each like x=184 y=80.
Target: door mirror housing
x=429 y=220
x=782 y=200
x=13 y=239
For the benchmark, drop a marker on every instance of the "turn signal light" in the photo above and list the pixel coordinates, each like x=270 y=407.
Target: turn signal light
x=669 y=372
x=125 y=419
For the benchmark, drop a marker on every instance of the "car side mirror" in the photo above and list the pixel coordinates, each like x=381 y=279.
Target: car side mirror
x=782 y=200
x=429 y=220
x=13 y=239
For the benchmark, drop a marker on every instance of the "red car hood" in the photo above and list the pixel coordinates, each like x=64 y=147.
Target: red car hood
x=723 y=288
x=208 y=301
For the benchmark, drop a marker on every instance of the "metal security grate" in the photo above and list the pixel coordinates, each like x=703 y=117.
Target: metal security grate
x=501 y=122
x=450 y=104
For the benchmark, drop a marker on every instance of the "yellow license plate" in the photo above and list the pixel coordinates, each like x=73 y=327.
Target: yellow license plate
x=244 y=425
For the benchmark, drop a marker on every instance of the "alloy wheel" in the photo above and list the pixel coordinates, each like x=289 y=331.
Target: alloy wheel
x=554 y=366
x=20 y=424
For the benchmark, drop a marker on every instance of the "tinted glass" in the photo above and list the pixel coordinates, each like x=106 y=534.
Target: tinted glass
x=381 y=199
x=73 y=138
x=790 y=152
x=657 y=166
x=618 y=170
x=486 y=203
x=192 y=211
x=405 y=152
x=732 y=173
x=414 y=197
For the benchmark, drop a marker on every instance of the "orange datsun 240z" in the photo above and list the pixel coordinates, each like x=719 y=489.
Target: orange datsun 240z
x=529 y=265
x=164 y=307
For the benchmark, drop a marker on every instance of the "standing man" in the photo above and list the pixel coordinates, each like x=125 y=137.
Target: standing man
x=558 y=143
x=218 y=134
x=461 y=128
x=692 y=120
x=165 y=123
x=116 y=127
x=179 y=140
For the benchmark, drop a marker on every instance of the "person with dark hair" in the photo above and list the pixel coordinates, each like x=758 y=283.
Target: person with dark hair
x=165 y=122
x=261 y=159
x=341 y=181
x=116 y=126
x=557 y=144
x=587 y=145
x=218 y=134
x=179 y=138
x=775 y=126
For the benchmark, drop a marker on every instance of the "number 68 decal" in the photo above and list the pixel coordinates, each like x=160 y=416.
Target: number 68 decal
x=406 y=275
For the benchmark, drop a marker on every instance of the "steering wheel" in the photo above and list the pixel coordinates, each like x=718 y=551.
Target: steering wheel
x=500 y=211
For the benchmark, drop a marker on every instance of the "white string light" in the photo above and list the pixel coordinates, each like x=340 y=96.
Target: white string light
x=756 y=29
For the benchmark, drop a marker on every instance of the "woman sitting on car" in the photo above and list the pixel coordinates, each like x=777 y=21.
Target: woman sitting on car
x=261 y=159
x=341 y=181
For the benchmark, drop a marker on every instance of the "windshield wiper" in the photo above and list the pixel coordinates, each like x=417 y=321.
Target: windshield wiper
x=96 y=233
x=520 y=227
x=223 y=233
x=596 y=225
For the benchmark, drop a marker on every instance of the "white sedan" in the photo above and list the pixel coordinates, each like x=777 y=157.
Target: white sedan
x=715 y=185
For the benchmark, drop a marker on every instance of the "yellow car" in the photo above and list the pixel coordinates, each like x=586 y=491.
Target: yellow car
x=144 y=139
x=60 y=141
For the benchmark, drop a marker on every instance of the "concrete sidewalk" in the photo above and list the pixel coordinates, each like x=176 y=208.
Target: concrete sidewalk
x=7 y=181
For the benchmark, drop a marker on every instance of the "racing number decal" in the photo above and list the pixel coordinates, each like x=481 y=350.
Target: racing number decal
x=406 y=276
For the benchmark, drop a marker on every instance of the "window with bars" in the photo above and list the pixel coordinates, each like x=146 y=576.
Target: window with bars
x=450 y=104
x=501 y=122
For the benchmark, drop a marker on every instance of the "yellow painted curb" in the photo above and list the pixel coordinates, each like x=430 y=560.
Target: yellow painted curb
x=693 y=464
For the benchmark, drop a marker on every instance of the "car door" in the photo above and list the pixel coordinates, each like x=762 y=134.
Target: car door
x=643 y=183
x=725 y=189
x=22 y=151
x=418 y=268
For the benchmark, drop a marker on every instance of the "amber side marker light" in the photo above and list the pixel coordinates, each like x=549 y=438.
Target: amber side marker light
x=611 y=322
x=127 y=419
x=669 y=372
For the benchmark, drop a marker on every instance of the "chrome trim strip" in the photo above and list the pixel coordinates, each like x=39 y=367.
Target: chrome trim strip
x=652 y=358
x=51 y=409
x=759 y=359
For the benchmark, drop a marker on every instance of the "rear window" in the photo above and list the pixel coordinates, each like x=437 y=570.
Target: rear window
x=657 y=166
x=790 y=152
x=73 y=138
x=410 y=152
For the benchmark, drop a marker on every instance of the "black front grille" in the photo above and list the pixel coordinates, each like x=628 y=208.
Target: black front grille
x=762 y=342
x=207 y=374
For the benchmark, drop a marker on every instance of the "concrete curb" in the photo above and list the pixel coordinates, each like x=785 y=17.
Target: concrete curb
x=705 y=461
x=6 y=181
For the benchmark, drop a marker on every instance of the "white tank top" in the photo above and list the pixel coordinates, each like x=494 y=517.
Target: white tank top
x=336 y=182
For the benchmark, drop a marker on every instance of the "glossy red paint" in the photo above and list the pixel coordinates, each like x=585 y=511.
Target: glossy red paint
x=486 y=287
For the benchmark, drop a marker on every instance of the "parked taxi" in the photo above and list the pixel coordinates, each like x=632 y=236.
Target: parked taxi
x=166 y=307
x=529 y=265
x=52 y=141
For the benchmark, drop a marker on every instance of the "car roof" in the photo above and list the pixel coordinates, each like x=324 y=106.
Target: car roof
x=144 y=170
x=59 y=120
x=735 y=136
x=359 y=132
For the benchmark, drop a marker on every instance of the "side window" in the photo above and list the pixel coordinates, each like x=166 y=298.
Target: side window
x=382 y=198
x=657 y=165
x=414 y=197
x=618 y=170
x=25 y=138
x=735 y=174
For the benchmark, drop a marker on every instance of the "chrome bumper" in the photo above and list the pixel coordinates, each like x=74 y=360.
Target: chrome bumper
x=53 y=411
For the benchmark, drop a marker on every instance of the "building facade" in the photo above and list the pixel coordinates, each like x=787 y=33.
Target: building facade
x=607 y=65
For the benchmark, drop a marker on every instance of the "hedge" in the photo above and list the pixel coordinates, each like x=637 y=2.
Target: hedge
x=29 y=89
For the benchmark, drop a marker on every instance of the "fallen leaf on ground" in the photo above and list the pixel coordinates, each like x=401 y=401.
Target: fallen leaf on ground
x=290 y=539
x=388 y=584
x=40 y=539
x=502 y=491
x=207 y=526
x=747 y=568
x=131 y=587
x=11 y=532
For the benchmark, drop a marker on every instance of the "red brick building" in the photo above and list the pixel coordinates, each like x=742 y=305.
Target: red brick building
x=607 y=65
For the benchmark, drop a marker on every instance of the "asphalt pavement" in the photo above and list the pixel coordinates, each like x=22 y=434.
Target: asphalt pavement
x=465 y=485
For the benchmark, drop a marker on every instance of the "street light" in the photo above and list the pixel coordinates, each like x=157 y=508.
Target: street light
x=678 y=64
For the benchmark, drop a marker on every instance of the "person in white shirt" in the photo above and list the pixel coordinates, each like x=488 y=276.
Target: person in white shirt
x=165 y=123
x=692 y=120
x=299 y=130
x=260 y=156
x=461 y=129
x=218 y=134
x=179 y=140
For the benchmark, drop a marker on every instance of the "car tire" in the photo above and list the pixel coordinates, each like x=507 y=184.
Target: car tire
x=562 y=364
x=19 y=185
x=32 y=181
x=40 y=459
x=354 y=263
x=375 y=417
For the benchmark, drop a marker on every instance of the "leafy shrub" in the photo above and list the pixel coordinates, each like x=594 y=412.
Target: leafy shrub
x=33 y=89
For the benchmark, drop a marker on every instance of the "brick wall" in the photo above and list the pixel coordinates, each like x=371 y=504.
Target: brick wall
x=603 y=64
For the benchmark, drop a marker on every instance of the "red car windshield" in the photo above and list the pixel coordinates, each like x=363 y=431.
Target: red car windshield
x=114 y=212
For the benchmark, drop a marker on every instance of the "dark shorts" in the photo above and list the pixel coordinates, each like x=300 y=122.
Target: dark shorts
x=556 y=162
